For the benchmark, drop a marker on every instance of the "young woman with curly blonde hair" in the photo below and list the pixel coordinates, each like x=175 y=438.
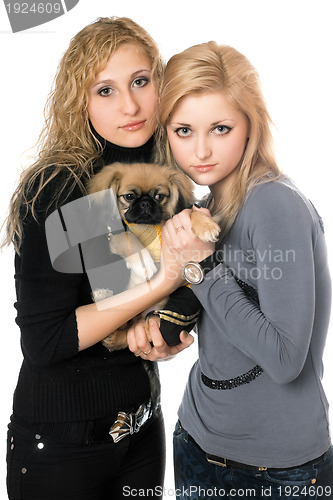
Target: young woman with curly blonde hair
x=71 y=389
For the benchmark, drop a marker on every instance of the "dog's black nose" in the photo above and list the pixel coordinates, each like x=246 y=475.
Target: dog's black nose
x=145 y=204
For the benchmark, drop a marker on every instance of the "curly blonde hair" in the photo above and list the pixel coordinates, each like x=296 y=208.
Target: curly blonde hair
x=210 y=67
x=66 y=141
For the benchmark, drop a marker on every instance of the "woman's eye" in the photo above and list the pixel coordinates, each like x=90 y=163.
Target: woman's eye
x=140 y=82
x=221 y=130
x=105 y=91
x=183 y=131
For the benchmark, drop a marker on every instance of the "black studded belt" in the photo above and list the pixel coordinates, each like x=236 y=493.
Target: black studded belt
x=227 y=384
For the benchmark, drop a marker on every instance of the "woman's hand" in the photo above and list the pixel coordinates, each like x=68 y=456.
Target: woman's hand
x=161 y=351
x=182 y=244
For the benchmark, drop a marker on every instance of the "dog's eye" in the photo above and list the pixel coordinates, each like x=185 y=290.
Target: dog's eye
x=160 y=197
x=129 y=196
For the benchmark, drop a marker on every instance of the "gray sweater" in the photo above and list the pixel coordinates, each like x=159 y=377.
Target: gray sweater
x=280 y=418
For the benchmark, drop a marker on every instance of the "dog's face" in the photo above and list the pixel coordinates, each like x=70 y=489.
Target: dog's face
x=146 y=193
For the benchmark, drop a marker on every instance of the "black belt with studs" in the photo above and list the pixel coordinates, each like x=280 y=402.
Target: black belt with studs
x=232 y=383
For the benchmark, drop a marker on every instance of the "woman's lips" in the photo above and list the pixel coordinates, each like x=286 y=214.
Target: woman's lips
x=204 y=168
x=133 y=126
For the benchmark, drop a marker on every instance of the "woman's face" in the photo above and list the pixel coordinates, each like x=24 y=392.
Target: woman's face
x=208 y=137
x=122 y=100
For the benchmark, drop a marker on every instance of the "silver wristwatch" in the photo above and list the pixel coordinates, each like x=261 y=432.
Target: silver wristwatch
x=194 y=272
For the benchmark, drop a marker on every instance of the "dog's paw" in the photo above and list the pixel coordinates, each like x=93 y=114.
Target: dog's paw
x=116 y=341
x=109 y=343
x=124 y=244
x=101 y=293
x=211 y=232
x=141 y=265
x=205 y=227
x=117 y=243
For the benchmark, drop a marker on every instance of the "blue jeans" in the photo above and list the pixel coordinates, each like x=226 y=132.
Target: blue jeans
x=196 y=478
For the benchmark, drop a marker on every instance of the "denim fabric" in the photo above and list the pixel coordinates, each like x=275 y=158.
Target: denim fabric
x=196 y=478
x=42 y=469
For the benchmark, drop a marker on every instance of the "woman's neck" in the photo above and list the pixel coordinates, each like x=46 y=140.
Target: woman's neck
x=221 y=191
x=112 y=152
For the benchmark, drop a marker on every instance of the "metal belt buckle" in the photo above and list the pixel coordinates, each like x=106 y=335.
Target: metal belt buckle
x=129 y=423
x=142 y=415
x=212 y=459
x=120 y=428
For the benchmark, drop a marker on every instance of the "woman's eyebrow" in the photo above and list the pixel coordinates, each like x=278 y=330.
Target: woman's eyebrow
x=103 y=82
x=214 y=124
x=147 y=70
x=180 y=123
x=222 y=121
x=109 y=81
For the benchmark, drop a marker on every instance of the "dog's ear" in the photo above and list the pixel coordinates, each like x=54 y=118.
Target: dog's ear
x=181 y=205
x=108 y=177
x=184 y=191
x=102 y=190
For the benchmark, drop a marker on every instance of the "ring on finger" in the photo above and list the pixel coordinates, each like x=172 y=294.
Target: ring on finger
x=146 y=353
x=180 y=228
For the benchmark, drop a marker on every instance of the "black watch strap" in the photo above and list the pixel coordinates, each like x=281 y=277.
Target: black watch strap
x=210 y=262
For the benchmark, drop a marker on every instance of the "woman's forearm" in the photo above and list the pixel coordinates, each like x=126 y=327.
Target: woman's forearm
x=97 y=321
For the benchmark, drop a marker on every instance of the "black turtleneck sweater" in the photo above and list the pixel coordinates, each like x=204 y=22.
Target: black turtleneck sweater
x=58 y=384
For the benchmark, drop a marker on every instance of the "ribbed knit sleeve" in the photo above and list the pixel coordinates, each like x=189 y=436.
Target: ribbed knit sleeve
x=46 y=302
x=46 y=299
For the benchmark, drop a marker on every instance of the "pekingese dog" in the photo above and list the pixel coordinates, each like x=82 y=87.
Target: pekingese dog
x=147 y=195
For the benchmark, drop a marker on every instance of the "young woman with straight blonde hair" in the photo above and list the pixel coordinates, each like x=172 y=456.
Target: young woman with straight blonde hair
x=71 y=389
x=254 y=418
x=190 y=75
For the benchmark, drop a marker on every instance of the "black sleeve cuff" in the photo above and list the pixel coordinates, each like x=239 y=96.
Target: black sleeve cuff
x=180 y=313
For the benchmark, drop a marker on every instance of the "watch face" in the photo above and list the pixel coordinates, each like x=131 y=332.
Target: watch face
x=193 y=273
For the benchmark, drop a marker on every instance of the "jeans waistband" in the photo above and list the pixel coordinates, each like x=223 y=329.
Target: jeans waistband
x=225 y=462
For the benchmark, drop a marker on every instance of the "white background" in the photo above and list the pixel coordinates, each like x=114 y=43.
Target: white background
x=290 y=43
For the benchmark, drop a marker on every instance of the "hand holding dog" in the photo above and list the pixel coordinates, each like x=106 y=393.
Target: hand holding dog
x=140 y=346
x=182 y=244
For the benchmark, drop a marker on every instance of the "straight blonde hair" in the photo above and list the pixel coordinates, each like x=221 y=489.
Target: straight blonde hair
x=66 y=141
x=210 y=67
